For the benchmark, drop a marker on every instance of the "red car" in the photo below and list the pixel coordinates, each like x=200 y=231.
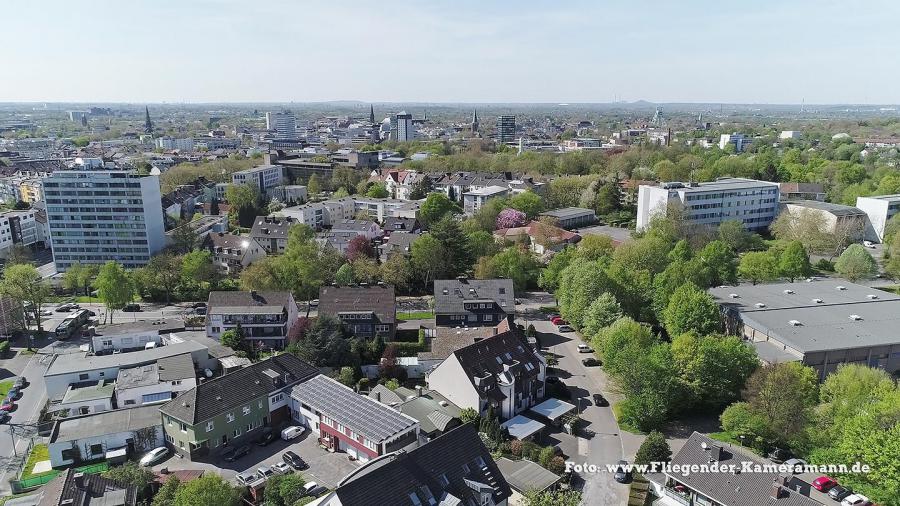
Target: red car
x=824 y=483
x=551 y=317
x=7 y=405
x=556 y=319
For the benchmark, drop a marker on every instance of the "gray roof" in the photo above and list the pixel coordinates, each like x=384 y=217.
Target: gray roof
x=108 y=422
x=216 y=349
x=82 y=393
x=140 y=376
x=729 y=183
x=835 y=209
x=379 y=299
x=568 y=212
x=385 y=395
x=450 y=295
x=353 y=225
x=174 y=368
x=158 y=325
x=78 y=362
x=448 y=339
x=822 y=326
x=357 y=412
x=742 y=489
x=524 y=475
x=771 y=353
x=433 y=411
x=262 y=302
x=272 y=226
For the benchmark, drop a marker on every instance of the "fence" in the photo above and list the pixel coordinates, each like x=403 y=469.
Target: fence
x=19 y=486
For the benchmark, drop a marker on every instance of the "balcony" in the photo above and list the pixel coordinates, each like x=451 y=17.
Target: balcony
x=679 y=497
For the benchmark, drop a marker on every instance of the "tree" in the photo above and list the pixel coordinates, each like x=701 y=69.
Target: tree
x=511 y=218
x=23 y=284
x=114 y=287
x=241 y=195
x=856 y=263
x=691 y=309
x=550 y=276
x=206 y=490
x=378 y=191
x=454 y=245
x=603 y=312
x=79 y=277
x=467 y=415
x=427 y=258
x=717 y=260
x=347 y=376
x=784 y=395
x=284 y=490
x=553 y=498
x=655 y=448
x=234 y=338
x=436 y=207
x=483 y=244
x=794 y=262
x=714 y=369
x=647 y=253
x=758 y=266
x=512 y=263
x=197 y=267
x=165 y=496
x=733 y=234
x=397 y=271
x=527 y=202
x=184 y=238
x=595 y=247
x=132 y=474
x=421 y=188
x=314 y=185
x=579 y=284
x=360 y=247
x=18 y=254
x=164 y=272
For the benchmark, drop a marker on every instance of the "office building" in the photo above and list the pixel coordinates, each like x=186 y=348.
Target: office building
x=473 y=200
x=263 y=177
x=737 y=140
x=404 y=130
x=754 y=203
x=284 y=124
x=169 y=144
x=880 y=210
x=95 y=216
x=506 y=129
x=17 y=227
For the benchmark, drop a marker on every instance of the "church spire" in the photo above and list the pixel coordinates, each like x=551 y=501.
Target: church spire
x=474 y=120
x=148 y=125
x=371 y=113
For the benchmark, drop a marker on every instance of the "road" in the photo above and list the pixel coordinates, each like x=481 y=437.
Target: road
x=608 y=444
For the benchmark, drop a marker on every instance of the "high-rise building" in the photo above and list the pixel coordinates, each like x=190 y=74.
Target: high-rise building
x=283 y=123
x=405 y=130
x=506 y=129
x=97 y=215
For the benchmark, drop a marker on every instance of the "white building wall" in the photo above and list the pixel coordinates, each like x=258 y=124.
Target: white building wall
x=108 y=442
x=450 y=380
x=57 y=385
x=879 y=210
x=124 y=341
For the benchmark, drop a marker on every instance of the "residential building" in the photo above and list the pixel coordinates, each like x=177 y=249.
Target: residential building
x=540 y=237
x=338 y=241
x=754 y=203
x=368 y=229
x=367 y=311
x=846 y=223
x=506 y=129
x=880 y=210
x=473 y=200
x=201 y=228
x=233 y=408
x=71 y=487
x=84 y=398
x=397 y=224
x=790 y=134
x=283 y=124
x=80 y=439
x=155 y=383
x=455 y=184
x=465 y=302
x=271 y=232
x=381 y=209
x=502 y=372
x=263 y=177
x=231 y=253
x=345 y=421
x=113 y=215
x=131 y=336
x=822 y=323
x=802 y=191
x=31 y=190
x=404 y=131
x=313 y=214
x=718 y=488
x=453 y=469
x=436 y=415
x=172 y=144
x=18 y=227
x=739 y=141
x=290 y=193
x=572 y=217
x=267 y=318
x=397 y=242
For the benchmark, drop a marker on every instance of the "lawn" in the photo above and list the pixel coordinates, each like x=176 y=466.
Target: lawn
x=5 y=386
x=38 y=453
x=617 y=412
x=414 y=315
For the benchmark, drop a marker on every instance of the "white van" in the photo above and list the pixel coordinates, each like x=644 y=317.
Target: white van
x=294 y=431
x=150 y=345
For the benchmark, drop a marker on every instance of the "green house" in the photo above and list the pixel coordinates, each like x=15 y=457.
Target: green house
x=232 y=409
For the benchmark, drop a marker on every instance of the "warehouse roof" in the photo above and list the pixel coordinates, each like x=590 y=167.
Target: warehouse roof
x=108 y=422
x=78 y=362
x=835 y=209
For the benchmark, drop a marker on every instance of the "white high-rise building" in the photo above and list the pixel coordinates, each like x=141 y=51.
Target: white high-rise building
x=405 y=130
x=283 y=123
x=740 y=142
x=263 y=177
x=98 y=215
x=753 y=203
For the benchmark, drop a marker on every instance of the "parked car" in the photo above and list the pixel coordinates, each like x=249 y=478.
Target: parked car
x=65 y=308
x=200 y=311
x=868 y=244
x=824 y=483
x=552 y=379
x=266 y=437
x=91 y=313
x=265 y=472
x=46 y=312
x=779 y=455
x=4 y=417
x=232 y=454
x=314 y=302
x=132 y=308
x=312 y=489
x=795 y=465
x=590 y=362
x=856 y=500
x=583 y=348
x=281 y=468
x=8 y=405
x=622 y=475
x=13 y=393
x=246 y=478
x=155 y=455
x=564 y=328
x=294 y=460
x=553 y=316
x=558 y=320
x=838 y=493
x=599 y=400
x=292 y=432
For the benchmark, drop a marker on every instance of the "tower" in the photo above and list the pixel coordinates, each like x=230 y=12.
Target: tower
x=371 y=114
x=474 y=121
x=148 y=125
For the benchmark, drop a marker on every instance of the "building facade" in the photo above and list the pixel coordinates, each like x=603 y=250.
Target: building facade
x=284 y=124
x=879 y=210
x=266 y=318
x=264 y=177
x=506 y=129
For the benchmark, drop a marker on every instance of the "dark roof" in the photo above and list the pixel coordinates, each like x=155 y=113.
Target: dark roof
x=237 y=244
x=379 y=299
x=272 y=226
x=85 y=489
x=568 y=212
x=457 y=457
x=270 y=301
x=176 y=368
x=451 y=294
x=741 y=489
x=353 y=225
x=232 y=390
x=498 y=359
x=399 y=242
x=446 y=340
x=360 y=413
x=393 y=223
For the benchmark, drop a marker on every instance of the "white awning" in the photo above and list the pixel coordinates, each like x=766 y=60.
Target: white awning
x=553 y=408
x=118 y=452
x=522 y=427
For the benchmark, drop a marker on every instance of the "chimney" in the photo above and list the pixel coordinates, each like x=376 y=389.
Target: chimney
x=715 y=453
x=378 y=396
x=776 y=489
x=418 y=390
x=79 y=479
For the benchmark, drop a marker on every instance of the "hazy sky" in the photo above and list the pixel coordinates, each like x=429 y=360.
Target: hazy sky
x=820 y=51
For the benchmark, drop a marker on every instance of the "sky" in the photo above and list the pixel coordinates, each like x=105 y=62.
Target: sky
x=812 y=51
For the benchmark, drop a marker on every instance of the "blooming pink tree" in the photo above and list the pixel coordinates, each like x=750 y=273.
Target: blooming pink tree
x=509 y=218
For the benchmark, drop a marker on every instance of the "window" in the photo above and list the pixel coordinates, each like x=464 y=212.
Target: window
x=229 y=417
x=157 y=397
x=184 y=427
x=82 y=377
x=209 y=426
x=443 y=477
x=129 y=402
x=249 y=426
x=246 y=410
x=181 y=444
x=96 y=449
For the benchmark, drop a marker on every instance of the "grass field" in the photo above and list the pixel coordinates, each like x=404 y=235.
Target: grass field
x=617 y=411
x=38 y=453
x=415 y=315
x=4 y=387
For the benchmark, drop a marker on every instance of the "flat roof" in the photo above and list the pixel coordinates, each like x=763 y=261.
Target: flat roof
x=78 y=362
x=108 y=422
x=155 y=325
x=893 y=197
x=487 y=190
x=524 y=475
x=568 y=212
x=553 y=408
x=521 y=427
x=835 y=209
x=731 y=183
x=101 y=390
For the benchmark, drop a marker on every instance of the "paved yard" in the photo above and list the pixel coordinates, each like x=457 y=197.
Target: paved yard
x=325 y=468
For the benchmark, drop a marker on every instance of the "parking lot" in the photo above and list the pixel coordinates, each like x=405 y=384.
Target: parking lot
x=325 y=468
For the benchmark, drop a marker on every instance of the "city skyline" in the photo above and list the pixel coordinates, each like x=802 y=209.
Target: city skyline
x=465 y=52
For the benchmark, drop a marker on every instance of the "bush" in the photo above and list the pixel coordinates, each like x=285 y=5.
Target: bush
x=824 y=265
x=515 y=447
x=546 y=455
x=530 y=451
x=407 y=349
x=4 y=348
x=362 y=385
x=557 y=465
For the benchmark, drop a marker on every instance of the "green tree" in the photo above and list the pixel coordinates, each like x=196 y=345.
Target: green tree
x=553 y=498
x=648 y=253
x=78 y=277
x=378 y=191
x=512 y=263
x=206 y=490
x=397 y=271
x=18 y=254
x=428 y=259
x=241 y=195
x=483 y=244
x=436 y=207
x=284 y=490
x=454 y=245
x=347 y=376
x=314 y=185
x=528 y=202
x=595 y=247
x=344 y=275
x=855 y=263
x=655 y=448
x=184 y=238
x=467 y=415
x=132 y=474
x=713 y=369
x=691 y=309
x=197 y=268
x=794 y=262
x=784 y=394
x=603 y=312
x=718 y=261
x=757 y=266
x=580 y=283
x=738 y=238
x=165 y=496
x=164 y=271
x=23 y=284
x=550 y=276
x=114 y=287
x=233 y=338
